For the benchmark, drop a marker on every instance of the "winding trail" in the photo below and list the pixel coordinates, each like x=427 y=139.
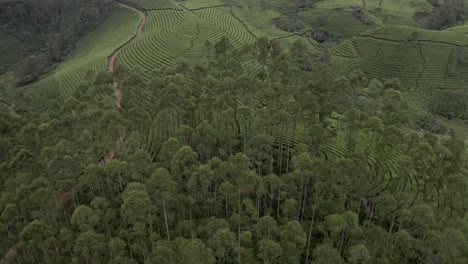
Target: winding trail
x=67 y=197
x=112 y=59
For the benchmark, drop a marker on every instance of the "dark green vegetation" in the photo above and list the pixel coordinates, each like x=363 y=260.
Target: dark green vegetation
x=250 y=150
x=41 y=33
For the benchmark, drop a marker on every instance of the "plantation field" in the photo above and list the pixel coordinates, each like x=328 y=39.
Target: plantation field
x=155 y=4
x=459 y=29
x=389 y=12
x=197 y=4
x=260 y=18
x=92 y=52
x=170 y=35
x=455 y=36
x=341 y=22
x=433 y=60
x=342 y=18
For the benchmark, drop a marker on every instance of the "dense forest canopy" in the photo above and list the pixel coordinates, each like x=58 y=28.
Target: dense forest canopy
x=259 y=151
x=229 y=179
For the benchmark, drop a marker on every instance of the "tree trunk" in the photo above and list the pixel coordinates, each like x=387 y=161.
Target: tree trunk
x=239 y=229
x=165 y=220
x=305 y=198
x=310 y=235
x=279 y=201
x=226 y=205
x=289 y=146
x=391 y=225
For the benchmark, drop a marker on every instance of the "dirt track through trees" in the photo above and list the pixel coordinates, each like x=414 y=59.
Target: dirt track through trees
x=113 y=57
x=111 y=61
x=66 y=197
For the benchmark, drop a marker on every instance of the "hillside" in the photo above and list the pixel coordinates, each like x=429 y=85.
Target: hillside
x=237 y=131
x=89 y=58
x=429 y=64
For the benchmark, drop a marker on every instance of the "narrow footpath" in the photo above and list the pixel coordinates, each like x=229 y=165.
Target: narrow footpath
x=66 y=197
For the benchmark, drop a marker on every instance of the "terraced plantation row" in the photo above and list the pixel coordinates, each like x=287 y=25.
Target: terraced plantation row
x=171 y=32
x=155 y=4
x=341 y=22
x=421 y=65
x=199 y=4
x=388 y=12
x=388 y=174
x=170 y=35
x=92 y=52
x=161 y=33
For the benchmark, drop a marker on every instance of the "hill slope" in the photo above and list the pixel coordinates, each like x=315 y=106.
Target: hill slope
x=89 y=57
x=429 y=64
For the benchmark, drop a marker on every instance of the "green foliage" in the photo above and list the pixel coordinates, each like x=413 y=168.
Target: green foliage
x=54 y=26
x=424 y=61
x=214 y=163
x=91 y=53
x=171 y=34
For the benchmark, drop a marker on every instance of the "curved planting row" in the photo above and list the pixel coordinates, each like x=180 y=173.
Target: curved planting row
x=196 y=4
x=91 y=53
x=221 y=23
x=344 y=57
x=166 y=35
x=418 y=65
x=155 y=4
x=170 y=35
x=379 y=60
x=398 y=33
x=70 y=79
x=344 y=49
x=341 y=22
x=386 y=174
x=422 y=61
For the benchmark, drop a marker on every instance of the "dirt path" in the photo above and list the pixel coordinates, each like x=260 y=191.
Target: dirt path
x=67 y=197
x=113 y=57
